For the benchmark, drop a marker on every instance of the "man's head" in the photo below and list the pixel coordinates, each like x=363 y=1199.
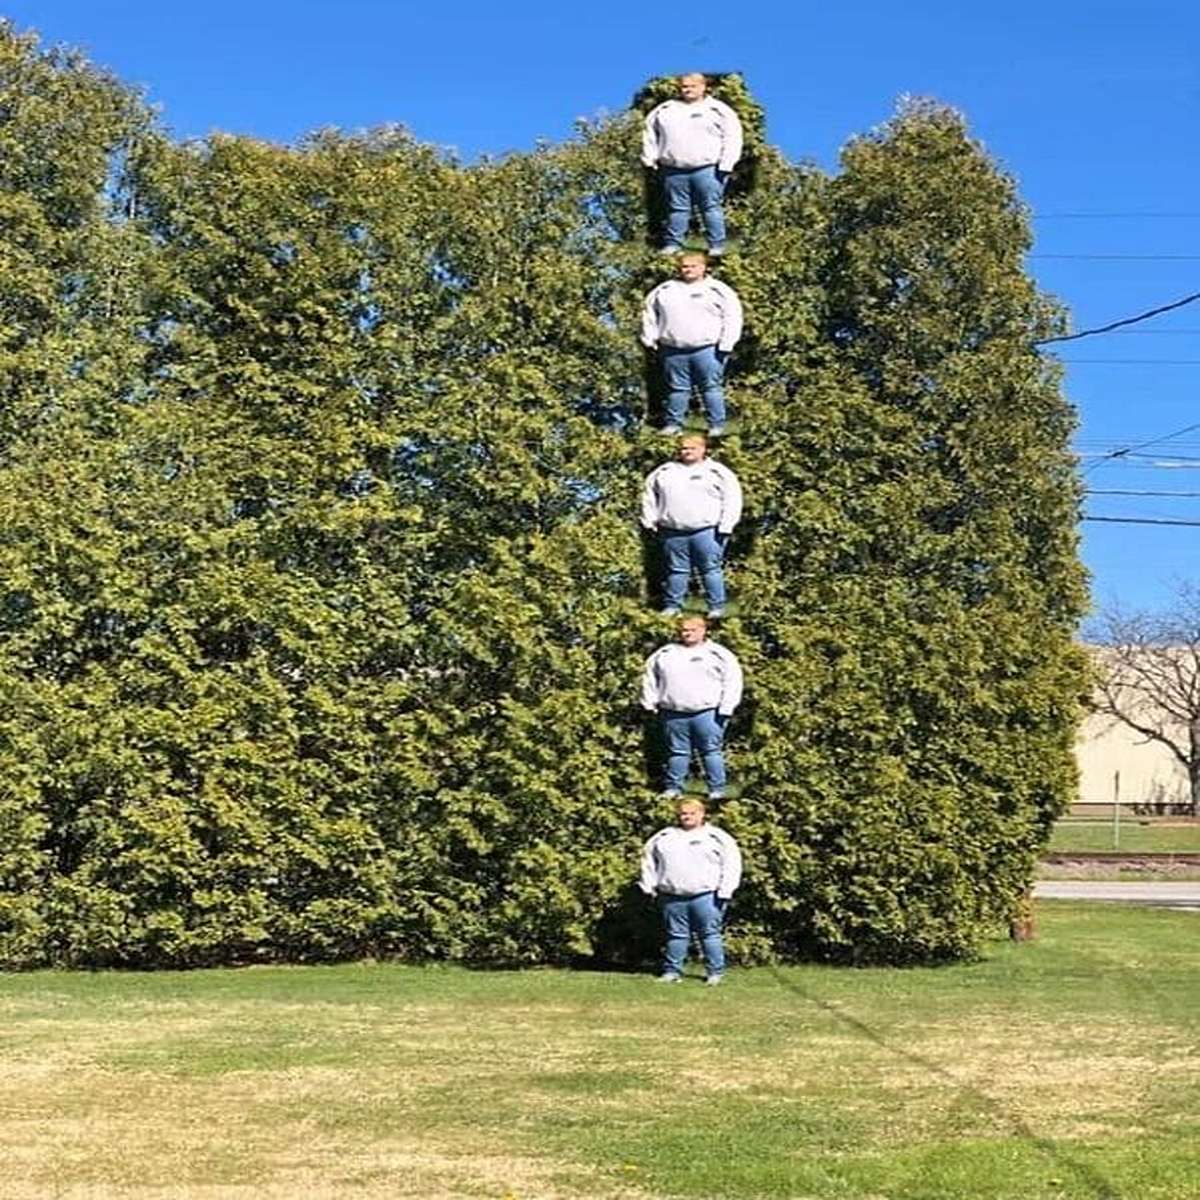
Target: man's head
x=692 y=87
x=689 y=814
x=692 y=266
x=692 y=448
x=692 y=630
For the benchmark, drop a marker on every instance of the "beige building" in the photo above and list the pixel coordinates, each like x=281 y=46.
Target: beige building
x=1148 y=772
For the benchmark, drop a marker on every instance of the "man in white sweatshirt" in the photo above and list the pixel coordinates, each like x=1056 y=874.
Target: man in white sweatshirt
x=695 y=142
x=693 y=869
x=693 y=323
x=692 y=504
x=693 y=685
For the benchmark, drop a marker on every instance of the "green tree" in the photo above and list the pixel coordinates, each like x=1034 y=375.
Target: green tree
x=324 y=600
x=914 y=588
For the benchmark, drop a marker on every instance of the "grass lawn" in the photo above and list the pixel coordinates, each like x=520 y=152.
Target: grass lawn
x=1068 y=1067
x=1134 y=838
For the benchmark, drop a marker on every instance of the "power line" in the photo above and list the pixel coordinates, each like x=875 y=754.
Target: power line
x=1145 y=316
x=1192 y=464
x=1117 y=216
x=1138 y=521
x=1171 y=465
x=1122 y=257
x=1134 y=492
x=1152 y=463
x=1174 y=458
x=1148 y=462
x=1123 y=451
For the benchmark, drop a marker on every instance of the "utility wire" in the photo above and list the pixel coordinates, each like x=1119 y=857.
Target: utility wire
x=1116 y=216
x=1138 y=521
x=1122 y=257
x=1149 y=462
x=1145 y=316
x=1126 y=450
x=1155 y=459
x=1134 y=492
x=1159 y=465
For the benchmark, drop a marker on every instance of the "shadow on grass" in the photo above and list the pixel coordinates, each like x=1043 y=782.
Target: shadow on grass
x=1089 y=1177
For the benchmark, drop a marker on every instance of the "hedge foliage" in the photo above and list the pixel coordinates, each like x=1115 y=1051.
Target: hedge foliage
x=323 y=598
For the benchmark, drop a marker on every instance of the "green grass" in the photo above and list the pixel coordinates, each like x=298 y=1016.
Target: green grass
x=1066 y=1067
x=1133 y=837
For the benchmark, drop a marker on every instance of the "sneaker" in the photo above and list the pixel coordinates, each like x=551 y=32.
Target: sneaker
x=670 y=794
x=671 y=430
x=715 y=614
x=670 y=977
x=711 y=980
x=668 y=612
x=716 y=431
x=670 y=250
x=716 y=251
x=718 y=794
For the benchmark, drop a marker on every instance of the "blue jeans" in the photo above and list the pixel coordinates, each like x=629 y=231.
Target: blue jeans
x=684 y=369
x=685 y=186
x=701 y=731
x=687 y=548
x=685 y=915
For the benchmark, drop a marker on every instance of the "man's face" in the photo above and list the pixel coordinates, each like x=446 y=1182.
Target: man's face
x=690 y=816
x=691 y=632
x=691 y=269
x=692 y=450
x=692 y=88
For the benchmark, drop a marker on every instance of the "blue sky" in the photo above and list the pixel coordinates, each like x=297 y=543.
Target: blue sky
x=1093 y=106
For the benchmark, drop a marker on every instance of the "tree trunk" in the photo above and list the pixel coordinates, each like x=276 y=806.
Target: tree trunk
x=1194 y=763
x=1022 y=928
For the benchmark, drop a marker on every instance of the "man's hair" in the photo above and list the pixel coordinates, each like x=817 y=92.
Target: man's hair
x=687 y=438
x=694 y=256
x=695 y=619
x=691 y=802
x=694 y=75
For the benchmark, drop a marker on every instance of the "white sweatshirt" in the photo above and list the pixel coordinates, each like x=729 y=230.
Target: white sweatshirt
x=686 y=862
x=700 y=495
x=689 y=315
x=679 y=134
x=692 y=679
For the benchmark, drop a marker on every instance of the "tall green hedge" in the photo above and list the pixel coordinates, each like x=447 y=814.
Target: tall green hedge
x=323 y=597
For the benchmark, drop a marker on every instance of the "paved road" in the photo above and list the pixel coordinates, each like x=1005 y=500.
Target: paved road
x=1161 y=894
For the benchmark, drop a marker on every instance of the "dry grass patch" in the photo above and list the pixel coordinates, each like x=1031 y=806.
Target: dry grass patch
x=120 y=1134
